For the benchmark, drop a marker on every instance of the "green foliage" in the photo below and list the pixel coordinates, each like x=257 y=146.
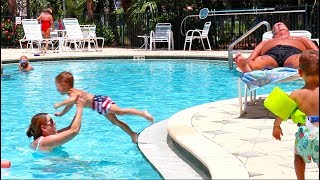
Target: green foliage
x=4 y=7
x=75 y=7
x=10 y=32
x=36 y=7
x=107 y=33
x=140 y=6
x=119 y=11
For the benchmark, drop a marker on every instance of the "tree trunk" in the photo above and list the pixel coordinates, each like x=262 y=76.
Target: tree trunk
x=125 y=4
x=90 y=8
x=28 y=8
x=12 y=7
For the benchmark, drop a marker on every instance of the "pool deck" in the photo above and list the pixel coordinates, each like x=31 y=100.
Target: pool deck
x=13 y=55
x=230 y=146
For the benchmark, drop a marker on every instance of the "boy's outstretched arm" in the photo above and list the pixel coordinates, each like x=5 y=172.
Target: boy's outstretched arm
x=64 y=111
x=70 y=101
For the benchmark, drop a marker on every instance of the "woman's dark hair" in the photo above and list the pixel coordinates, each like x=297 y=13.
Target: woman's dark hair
x=37 y=121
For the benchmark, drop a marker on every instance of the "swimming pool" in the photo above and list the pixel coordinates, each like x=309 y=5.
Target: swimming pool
x=101 y=150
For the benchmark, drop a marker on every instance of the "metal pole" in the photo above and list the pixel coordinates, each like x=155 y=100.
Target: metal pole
x=64 y=8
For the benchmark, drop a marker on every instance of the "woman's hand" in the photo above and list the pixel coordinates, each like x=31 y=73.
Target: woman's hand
x=57 y=114
x=82 y=99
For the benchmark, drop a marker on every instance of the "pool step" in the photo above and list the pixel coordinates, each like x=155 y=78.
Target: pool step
x=139 y=57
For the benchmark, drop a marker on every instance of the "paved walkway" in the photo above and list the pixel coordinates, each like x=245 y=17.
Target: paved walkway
x=13 y=55
x=236 y=147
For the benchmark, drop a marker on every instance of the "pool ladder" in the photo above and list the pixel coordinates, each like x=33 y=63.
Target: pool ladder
x=231 y=51
x=139 y=57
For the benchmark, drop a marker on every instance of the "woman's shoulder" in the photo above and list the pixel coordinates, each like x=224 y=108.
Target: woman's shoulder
x=36 y=143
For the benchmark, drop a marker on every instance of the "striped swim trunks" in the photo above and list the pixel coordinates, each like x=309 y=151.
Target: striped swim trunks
x=102 y=104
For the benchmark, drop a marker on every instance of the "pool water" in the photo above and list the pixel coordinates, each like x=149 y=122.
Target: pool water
x=102 y=150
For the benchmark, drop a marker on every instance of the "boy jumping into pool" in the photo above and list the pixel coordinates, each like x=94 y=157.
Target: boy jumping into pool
x=307 y=99
x=103 y=104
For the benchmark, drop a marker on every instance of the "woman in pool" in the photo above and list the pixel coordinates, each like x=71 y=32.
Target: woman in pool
x=45 y=135
x=24 y=64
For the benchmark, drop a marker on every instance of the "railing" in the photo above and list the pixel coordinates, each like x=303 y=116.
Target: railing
x=122 y=30
x=231 y=46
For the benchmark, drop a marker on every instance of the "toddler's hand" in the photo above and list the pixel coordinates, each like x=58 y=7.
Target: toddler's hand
x=56 y=105
x=277 y=132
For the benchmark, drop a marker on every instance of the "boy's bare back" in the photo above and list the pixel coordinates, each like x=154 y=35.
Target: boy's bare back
x=77 y=92
x=307 y=100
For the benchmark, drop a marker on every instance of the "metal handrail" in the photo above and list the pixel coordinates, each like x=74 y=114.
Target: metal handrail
x=234 y=13
x=231 y=46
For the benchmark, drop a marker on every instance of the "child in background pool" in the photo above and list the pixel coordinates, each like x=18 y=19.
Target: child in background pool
x=307 y=99
x=103 y=104
x=24 y=64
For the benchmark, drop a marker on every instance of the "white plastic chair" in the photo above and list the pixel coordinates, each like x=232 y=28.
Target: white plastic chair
x=162 y=33
x=198 y=34
x=89 y=33
x=73 y=33
x=33 y=35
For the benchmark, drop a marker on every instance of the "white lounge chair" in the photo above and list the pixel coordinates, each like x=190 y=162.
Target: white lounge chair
x=33 y=35
x=198 y=34
x=162 y=33
x=89 y=33
x=284 y=76
x=73 y=33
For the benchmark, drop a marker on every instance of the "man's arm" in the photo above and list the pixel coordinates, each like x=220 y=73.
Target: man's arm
x=20 y=68
x=309 y=44
x=257 y=51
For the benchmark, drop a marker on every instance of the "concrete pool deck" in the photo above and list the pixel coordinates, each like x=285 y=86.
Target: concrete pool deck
x=13 y=55
x=231 y=147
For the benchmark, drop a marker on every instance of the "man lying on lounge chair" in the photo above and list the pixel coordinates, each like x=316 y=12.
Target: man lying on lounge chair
x=282 y=50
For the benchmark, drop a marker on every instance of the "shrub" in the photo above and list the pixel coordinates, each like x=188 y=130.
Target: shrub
x=11 y=33
x=107 y=33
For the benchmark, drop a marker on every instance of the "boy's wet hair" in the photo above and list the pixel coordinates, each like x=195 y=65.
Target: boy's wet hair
x=309 y=62
x=65 y=78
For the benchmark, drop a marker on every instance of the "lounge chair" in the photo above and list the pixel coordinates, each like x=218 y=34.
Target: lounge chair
x=73 y=34
x=198 y=34
x=253 y=76
x=259 y=78
x=33 y=35
x=162 y=33
x=307 y=34
x=89 y=33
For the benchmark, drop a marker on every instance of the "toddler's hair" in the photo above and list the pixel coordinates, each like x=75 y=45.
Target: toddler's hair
x=65 y=78
x=309 y=62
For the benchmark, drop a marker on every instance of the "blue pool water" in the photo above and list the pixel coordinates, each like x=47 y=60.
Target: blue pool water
x=101 y=150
